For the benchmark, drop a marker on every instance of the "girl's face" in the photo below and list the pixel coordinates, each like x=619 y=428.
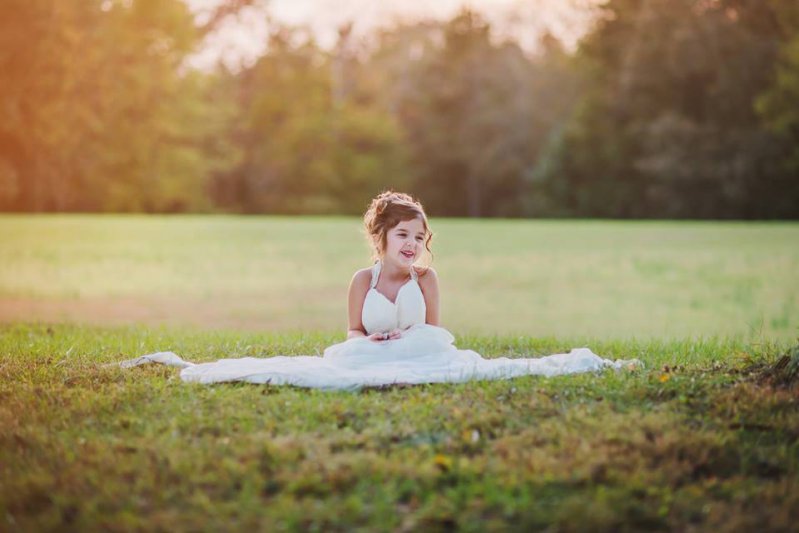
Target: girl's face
x=405 y=242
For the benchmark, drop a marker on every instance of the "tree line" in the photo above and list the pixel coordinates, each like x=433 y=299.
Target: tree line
x=666 y=109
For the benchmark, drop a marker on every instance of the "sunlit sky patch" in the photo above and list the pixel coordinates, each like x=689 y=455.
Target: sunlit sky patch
x=242 y=39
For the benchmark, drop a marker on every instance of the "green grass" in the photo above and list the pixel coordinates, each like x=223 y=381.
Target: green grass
x=571 y=279
x=694 y=440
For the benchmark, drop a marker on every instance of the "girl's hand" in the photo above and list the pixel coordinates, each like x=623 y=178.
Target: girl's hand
x=377 y=337
x=385 y=336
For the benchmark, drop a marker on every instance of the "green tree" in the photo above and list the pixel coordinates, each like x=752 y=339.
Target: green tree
x=668 y=126
x=779 y=104
x=467 y=118
x=98 y=113
x=308 y=146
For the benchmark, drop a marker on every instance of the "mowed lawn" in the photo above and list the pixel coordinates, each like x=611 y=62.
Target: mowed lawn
x=703 y=437
x=575 y=279
x=700 y=439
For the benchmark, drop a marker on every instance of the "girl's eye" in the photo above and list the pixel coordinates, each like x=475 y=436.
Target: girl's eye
x=420 y=239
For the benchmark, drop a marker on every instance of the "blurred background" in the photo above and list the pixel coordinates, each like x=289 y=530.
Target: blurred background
x=510 y=108
x=491 y=109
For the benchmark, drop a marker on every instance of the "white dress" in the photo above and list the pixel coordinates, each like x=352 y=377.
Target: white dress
x=423 y=354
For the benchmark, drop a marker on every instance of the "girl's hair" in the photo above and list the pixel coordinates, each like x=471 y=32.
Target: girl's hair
x=388 y=209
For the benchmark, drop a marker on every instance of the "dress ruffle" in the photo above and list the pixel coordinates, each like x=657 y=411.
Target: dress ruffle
x=423 y=354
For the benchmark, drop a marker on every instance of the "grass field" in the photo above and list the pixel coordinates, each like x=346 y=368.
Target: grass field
x=575 y=279
x=695 y=441
x=699 y=439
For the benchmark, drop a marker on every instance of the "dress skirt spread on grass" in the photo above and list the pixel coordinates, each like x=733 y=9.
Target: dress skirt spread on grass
x=423 y=354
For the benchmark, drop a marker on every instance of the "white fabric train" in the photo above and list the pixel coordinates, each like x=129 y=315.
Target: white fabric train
x=423 y=354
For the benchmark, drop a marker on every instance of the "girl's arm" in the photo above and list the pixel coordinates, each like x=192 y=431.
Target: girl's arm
x=429 y=285
x=356 y=295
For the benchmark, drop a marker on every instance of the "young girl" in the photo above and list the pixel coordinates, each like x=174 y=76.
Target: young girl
x=393 y=334
x=399 y=234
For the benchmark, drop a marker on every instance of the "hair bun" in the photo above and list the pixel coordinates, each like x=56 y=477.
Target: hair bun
x=383 y=200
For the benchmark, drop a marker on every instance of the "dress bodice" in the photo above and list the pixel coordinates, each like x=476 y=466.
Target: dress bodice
x=381 y=314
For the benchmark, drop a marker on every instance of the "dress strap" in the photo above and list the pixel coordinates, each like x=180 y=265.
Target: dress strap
x=375 y=274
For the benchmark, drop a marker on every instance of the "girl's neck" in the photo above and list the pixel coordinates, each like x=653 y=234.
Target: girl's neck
x=394 y=271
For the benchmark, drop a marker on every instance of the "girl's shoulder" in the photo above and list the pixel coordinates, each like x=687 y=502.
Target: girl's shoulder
x=362 y=277
x=426 y=275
